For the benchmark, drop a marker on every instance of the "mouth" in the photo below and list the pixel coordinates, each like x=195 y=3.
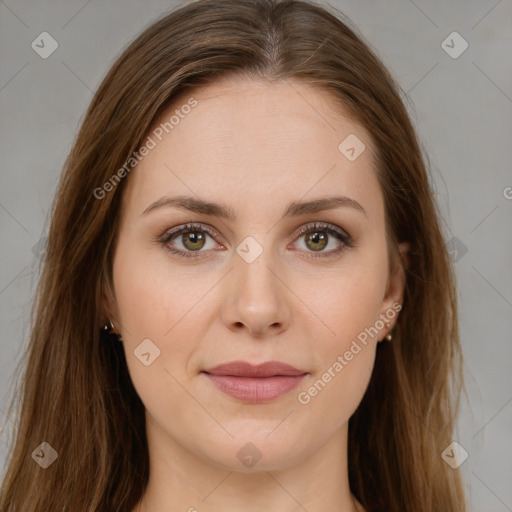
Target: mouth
x=255 y=384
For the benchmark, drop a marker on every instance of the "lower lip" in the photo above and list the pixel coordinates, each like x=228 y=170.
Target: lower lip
x=256 y=390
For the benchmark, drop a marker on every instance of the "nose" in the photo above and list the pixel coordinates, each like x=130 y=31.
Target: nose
x=257 y=298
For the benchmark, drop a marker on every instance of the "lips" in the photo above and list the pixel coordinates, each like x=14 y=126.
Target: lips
x=255 y=384
x=243 y=369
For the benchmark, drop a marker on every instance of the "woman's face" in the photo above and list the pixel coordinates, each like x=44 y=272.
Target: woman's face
x=249 y=285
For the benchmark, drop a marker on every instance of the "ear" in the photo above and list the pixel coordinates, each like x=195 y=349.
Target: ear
x=394 y=294
x=108 y=304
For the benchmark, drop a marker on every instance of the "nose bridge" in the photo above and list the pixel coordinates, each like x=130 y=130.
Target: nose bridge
x=258 y=296
x=253 y=272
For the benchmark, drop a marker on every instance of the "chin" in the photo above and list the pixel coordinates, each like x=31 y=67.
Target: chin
x=254 y=450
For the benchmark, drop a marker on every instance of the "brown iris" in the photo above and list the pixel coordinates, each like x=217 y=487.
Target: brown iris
x=192 y=238
x=317 y=237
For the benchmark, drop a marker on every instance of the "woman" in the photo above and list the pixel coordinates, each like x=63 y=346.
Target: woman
x=246 y=303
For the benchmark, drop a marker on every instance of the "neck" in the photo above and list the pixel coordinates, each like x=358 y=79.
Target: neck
x=182 y=480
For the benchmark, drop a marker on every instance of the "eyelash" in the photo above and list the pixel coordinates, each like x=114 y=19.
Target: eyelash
x=340 y=235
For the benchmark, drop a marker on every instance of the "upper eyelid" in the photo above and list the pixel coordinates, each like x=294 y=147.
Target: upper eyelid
x=323 y=225
x=212 y=232
x=178 y=230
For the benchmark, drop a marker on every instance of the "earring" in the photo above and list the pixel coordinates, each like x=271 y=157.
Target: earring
x=389 y=336
x=112 y=330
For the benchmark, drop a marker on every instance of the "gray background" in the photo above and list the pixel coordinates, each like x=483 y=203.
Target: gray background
x=462 y=109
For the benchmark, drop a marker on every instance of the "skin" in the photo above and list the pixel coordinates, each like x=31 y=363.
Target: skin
x=256 y=147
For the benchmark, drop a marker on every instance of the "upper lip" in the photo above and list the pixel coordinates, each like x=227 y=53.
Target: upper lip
x=245 y=369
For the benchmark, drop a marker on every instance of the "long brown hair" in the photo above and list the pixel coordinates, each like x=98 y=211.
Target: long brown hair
x=76 y=393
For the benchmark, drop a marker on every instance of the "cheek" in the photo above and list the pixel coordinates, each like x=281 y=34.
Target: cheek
x=153 y=296
x=348 y=302
x=333 y=394
x=349 y=309
x=152 y=306
x=344 y=358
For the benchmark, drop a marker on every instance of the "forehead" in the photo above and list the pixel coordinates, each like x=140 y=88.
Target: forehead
x=256 y=142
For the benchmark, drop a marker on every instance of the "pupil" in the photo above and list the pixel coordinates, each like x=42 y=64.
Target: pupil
x=192 y=238
x=318 y=237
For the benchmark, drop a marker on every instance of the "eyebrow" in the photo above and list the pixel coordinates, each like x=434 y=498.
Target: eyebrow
x=294 y=209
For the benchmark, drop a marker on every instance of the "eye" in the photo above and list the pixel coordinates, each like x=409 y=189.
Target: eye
x=194 y=237
x=317 y=238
